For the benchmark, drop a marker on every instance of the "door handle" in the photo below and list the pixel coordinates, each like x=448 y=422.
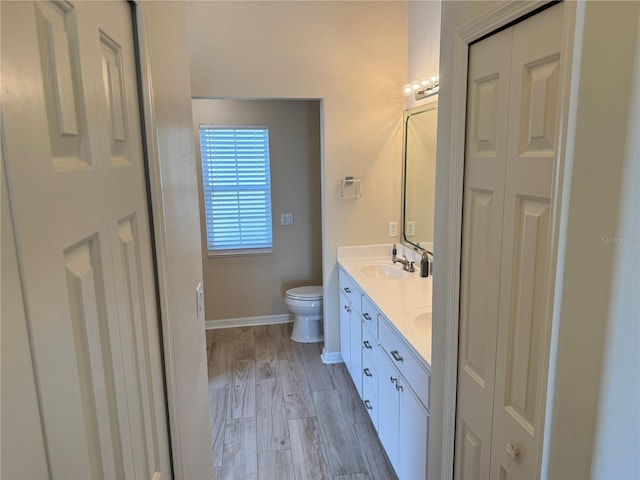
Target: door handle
x=367 y=344
x=366 y=316
x=393 y=380
x=512 y=451
x=396 y=356
x=367 y=404
x=347 y=289
x=367 y=372
x=347 y=308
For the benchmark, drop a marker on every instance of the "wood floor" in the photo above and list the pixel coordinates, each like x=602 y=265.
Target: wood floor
x=278 y=412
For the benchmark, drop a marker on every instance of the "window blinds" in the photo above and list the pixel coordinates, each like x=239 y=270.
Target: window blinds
x=237 y=187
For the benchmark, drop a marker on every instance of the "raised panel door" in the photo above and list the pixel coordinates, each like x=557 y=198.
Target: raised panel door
x=487 y=118
x=524 y=321
x=76 y=174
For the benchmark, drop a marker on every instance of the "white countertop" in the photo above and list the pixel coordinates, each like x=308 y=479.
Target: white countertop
x=399 y=299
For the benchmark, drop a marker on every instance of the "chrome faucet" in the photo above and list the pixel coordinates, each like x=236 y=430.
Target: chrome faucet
x=407 y=265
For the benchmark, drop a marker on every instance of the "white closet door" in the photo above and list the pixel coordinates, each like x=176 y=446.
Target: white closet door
x=486 y=152
x=76 y=175
x=523 y=325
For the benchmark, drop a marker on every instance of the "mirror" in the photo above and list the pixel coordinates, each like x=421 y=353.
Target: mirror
x=419 y=179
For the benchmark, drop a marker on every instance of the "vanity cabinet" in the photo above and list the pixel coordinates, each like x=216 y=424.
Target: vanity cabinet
x=391 y=380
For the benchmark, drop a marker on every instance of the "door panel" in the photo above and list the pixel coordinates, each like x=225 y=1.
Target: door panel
x=524 y=326
x=74 y=163
x=481 y=248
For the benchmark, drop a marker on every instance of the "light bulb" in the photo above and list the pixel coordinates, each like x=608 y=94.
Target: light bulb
x=407 y=90
x=415 y=85
x=434 y=79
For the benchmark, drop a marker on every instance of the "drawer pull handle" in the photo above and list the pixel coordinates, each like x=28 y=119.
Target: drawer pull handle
x=367 y=404
x=399 y=388
x=396 y=356
x=366 y=316
x=347 y=289
x=367 y=372
x=347 y=308
x=393 y=380
x=367 y=344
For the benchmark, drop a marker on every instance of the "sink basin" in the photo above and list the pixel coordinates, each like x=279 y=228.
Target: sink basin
x=381 y=270
x=420 y=320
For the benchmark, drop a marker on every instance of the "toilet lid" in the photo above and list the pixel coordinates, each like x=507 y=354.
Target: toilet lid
x=305 y=293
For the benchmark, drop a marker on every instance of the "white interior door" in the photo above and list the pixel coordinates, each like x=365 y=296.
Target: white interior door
x=523 y=321
x=504 y=329
x=486 y=154
x=76 y=177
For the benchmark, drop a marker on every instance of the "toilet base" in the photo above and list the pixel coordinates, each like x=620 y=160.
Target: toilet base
x=307 y=329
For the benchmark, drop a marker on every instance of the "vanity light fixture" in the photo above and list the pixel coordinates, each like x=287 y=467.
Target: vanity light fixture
x=422 y=88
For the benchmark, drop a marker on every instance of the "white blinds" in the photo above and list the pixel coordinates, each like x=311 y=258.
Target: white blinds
x=237 y=187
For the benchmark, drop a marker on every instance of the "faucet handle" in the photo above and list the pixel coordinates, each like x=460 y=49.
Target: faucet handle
x=412 y=267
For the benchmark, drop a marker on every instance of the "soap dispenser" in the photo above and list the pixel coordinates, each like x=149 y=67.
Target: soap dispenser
x=424 y=265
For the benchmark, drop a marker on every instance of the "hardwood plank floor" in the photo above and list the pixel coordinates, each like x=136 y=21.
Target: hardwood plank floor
x=278 y=412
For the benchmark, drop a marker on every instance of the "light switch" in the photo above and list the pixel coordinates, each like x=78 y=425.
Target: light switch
x=410 y=229
x=286 y=219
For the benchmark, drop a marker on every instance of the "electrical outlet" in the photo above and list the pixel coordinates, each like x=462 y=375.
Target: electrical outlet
x=410 y=229
x=393 y=229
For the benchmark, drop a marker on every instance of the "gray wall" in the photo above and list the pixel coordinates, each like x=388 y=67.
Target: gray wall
x=254 y=285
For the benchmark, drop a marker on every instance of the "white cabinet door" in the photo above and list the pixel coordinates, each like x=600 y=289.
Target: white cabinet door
x=413 y=427
x=345 y=330
x=356 y=350
x=388 y=408
x=71 y=134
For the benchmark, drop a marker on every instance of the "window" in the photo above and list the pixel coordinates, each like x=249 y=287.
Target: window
x=237 y=189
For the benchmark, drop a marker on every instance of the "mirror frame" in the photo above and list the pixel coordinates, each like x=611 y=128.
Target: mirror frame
x=406 y=115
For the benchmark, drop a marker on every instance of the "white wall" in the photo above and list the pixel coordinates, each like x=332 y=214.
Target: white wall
x=424 y=43
x=240 y=286
x=594 y=424
x=352 y=55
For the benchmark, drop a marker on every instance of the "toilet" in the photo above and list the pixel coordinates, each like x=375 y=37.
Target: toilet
x=306 y=305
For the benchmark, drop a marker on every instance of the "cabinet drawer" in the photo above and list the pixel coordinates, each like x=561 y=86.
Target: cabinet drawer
x=405 y=361
x=370 y=369
x=370 y=316
x=371 y=404
x=369 y=343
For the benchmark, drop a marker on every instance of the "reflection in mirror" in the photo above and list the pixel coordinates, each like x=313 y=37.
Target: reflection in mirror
x=419 y=150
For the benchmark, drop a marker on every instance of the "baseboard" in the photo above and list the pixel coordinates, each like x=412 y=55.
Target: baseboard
x=248 y=321
x=331 y=357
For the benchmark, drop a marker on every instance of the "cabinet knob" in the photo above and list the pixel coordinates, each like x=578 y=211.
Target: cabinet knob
x=367 y=372
x=367 y=404
x=367 y=344
x=366 y=316
x=512 y=451
x=393 y=380
x=347 y=289
x=396 y=356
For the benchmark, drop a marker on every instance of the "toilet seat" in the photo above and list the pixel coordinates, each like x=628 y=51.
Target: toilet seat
x=305 y=293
